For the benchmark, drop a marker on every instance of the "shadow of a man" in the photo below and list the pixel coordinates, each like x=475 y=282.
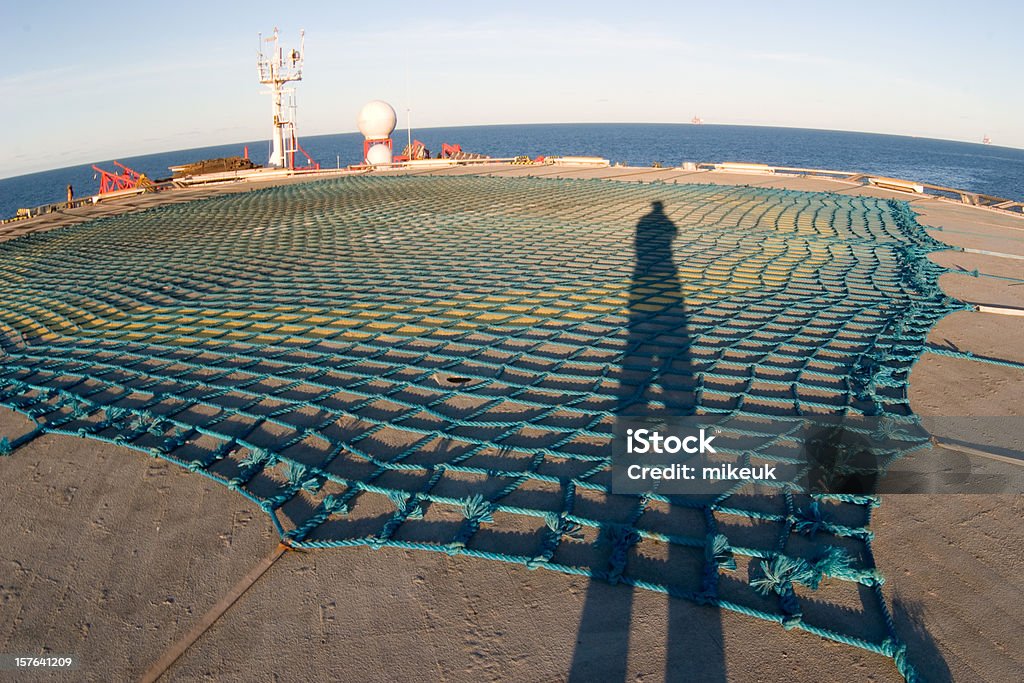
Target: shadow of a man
x=656 y=374
x=656 y=383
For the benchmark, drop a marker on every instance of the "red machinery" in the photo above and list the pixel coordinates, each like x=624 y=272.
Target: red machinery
x=456 y=152
x=414 y=152
x=127 y=179
x=450 y=151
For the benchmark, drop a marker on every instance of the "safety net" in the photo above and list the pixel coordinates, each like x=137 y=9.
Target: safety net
x=438 y=363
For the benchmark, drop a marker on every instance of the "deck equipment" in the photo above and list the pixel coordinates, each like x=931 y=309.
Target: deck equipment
x=119 y=181
x=276 y=70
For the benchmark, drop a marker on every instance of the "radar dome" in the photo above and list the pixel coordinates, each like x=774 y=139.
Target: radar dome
x=378 y=154
x=377 y=120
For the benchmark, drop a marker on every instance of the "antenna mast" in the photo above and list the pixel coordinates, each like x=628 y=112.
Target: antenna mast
x=275 y=71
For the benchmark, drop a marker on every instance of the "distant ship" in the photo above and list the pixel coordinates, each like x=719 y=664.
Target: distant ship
x=696 y=120
x=986 y=140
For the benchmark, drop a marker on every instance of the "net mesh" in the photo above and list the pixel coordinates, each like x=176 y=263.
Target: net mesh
x=438 y=363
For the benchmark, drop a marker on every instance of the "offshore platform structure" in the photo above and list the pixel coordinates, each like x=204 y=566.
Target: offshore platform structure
x=276 y=70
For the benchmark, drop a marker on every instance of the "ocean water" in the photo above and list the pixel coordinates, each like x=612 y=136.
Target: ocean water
x=987 y=169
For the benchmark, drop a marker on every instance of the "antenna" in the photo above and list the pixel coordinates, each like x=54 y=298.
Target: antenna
x=408 y=108
x=275 y=71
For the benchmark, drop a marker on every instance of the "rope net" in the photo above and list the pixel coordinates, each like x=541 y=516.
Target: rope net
x=437 y=363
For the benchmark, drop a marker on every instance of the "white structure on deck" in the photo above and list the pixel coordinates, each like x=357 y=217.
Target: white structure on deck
x=377 y=120
x=276 y=69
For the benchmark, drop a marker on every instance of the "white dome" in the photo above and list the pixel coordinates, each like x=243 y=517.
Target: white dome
x=376 y=120
x=378 y=154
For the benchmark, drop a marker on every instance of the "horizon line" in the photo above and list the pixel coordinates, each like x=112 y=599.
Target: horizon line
x=543 y=123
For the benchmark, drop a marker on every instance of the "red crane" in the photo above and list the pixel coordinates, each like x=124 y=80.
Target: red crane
x=126 y=179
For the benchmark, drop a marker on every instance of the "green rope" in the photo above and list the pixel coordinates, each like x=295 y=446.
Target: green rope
x=437 y=363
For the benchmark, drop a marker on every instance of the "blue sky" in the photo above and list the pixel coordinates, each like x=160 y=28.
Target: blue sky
x=82 y=84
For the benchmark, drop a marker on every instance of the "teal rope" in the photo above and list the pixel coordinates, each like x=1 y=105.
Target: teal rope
x=321 y=314
x=967 y=355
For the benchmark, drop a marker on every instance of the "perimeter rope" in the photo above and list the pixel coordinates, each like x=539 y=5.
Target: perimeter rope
x=437 y=363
